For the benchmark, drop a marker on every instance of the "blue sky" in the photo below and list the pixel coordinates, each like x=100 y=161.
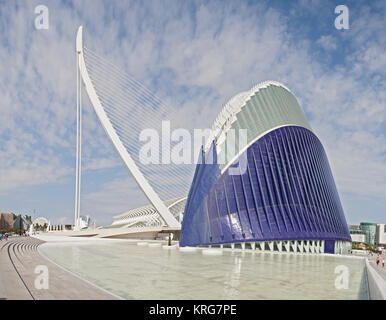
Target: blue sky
x=195 y=55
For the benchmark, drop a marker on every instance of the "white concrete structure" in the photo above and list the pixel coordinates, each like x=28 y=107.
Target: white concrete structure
x=294 y=246
x=83 y=222
x=357 y=237
x=380 y=238
x=78 y=157
x=147 y=216
x=116 y=138
x=41 y=221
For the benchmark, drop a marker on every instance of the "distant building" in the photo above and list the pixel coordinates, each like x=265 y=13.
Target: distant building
x=10 y=221
x=369 y=233
x=6 y=221
x=370 y=230
x=22 y=222
x=41 y=223
x=380 y=238
x=357 y=235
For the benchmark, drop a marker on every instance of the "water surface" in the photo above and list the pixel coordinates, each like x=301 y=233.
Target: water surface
x=135 y=272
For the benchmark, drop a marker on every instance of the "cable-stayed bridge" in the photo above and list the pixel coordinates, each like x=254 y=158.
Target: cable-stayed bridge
x=125 y=108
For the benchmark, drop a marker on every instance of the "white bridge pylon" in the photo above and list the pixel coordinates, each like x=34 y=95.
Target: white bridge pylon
x=147 y=189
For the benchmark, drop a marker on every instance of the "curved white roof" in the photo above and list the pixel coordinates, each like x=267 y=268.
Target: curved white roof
x=227 y=114
x=40 y=221
x=250 y=115
x=148 y=215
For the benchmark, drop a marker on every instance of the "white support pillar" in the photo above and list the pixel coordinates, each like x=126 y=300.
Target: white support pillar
x=262 y=246
x=243 y=246
x=312 y=246
x=78 y=156
x=232 y=246
x=287 y=246
x=322 y=246
x=301 y=246
x=294 y=245
x=270 y=245
x=317 y=246
x=306 y=246
x=279 y=245
x=253 y=246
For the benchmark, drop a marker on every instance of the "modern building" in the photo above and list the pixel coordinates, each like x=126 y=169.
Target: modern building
x=370 y=230
x=273 y=190
x=264 y=178
x=22 y=223
x=381 y=235
x=6 y=221
x=41 y=222
x=10 y=221
x=148 y=216
x=368 y=233
x=357 y=235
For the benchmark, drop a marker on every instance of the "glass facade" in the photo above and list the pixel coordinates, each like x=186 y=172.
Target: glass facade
x=370 y=230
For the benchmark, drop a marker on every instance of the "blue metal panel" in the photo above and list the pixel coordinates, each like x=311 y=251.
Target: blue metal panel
x=329 y=246
x=286 y=193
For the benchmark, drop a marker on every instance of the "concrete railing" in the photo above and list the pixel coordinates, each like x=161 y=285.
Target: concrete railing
x=377 y=285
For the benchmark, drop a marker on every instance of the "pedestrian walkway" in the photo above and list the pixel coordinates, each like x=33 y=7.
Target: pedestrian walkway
x=381 y=270
x=19 y=260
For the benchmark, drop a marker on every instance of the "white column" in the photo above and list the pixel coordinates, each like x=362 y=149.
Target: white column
x=301 y=246
x=262 y=246
x=270 y=245
x=253 y=246
x=287 y=246
x=317 y=246
x=78 y=165
x=279 y=245
x=306 y=246
x=294 y=245
x=312 y=246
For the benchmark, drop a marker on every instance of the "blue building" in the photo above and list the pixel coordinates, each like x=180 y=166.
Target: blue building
x=264 y=181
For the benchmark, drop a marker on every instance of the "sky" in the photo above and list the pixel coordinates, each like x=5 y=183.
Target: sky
x=195 y=55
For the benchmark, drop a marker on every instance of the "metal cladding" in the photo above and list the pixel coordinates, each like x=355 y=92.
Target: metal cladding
x=285 y=192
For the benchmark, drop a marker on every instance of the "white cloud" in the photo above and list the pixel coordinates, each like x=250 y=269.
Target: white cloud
x=327 y=42
x=195 y=56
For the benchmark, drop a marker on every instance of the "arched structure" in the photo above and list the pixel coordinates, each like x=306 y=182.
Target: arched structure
x=286 y=192
x=148 y=216
x=112 y=123
x=41 y=221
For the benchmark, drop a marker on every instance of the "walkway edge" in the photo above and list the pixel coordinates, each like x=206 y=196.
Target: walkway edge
x=377 y=284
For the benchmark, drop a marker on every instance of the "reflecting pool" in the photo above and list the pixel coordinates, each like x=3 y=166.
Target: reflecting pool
x=142 y=272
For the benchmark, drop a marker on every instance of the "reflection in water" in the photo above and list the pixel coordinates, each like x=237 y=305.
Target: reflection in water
x=232 y=284
x=135 y=272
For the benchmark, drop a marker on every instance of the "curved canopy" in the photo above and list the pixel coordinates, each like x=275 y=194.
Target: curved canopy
x=264 y=107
